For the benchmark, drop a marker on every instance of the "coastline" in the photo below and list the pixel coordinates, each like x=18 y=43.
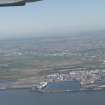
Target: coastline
x=54 y=91
x=50 y=91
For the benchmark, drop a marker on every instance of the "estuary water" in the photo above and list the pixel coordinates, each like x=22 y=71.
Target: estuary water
x=26 y=97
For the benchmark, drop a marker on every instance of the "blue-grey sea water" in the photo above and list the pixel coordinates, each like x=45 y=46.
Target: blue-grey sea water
x=24 y=97
x=28 y=97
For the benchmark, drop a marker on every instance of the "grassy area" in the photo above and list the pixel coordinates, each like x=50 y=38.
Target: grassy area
x=12 y=68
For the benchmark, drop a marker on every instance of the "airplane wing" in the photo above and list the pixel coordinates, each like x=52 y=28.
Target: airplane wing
x=15 y=2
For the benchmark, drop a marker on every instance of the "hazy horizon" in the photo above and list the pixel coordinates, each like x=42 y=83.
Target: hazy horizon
x=52 y=17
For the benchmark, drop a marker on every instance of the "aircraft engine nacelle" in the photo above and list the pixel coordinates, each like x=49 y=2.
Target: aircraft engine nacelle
x=12 y=2
x=15 y=2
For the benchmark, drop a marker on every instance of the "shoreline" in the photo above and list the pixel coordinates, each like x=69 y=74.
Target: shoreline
x=42 y=91
x=41 y=88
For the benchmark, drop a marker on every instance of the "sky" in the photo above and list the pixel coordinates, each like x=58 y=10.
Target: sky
x=50 y=17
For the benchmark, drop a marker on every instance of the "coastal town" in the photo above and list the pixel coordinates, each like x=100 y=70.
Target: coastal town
x=90 y=79
x=37 y=62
